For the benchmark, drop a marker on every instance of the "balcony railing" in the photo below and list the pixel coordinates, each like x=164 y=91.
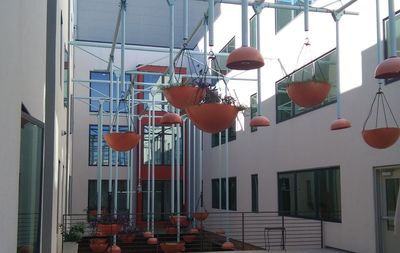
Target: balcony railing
x=246 y=230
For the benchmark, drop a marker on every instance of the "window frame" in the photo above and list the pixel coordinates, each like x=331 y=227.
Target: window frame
x=253 y=110
x=215 y=193
x=121 y=155
x=317 y=194
x=254 y=191
x=92 y=90
x=386 y=53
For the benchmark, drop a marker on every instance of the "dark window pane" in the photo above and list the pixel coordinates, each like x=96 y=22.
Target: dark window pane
x=253 y=109
x=231 y=133
x=215 y=193
x=287 y=193
x=107 y=199
x=232 y=193
x=254 y=193
x=223 y=193
x=392 y=189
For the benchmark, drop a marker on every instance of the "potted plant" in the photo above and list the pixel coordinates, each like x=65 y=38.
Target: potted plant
x=214 y=113
x=72 y=236
x=108 y=225
x=128 y=233
x=182 y=95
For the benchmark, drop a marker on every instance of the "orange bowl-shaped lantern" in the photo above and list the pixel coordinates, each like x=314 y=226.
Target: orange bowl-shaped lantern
x=172 y=247
x=245 y=58
x=308 y=93
x=189 y=238
x=259 y=121
x=200 y=216
x=108 y=229
x=389 y=68
x=340 y=124
x=183 y=221
x=98 y=247
x=227 y=246
x=194 y=231
x=200 y=227
x=147 y=234
x=212 y=118
x=127 y=238
x=170 y=118
x=171 y=230
x=114 y=249
x=184 y=96
x=220 y=231
x=381 y=138
x=122 y=141
x=152 y=241
x=98 y=241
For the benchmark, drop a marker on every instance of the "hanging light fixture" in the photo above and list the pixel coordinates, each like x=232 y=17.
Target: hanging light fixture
x=260 y=121
x=170 y=118
x=228 y=246
x=245 y=57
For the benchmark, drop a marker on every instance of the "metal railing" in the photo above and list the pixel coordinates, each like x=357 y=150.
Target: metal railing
x=246 y=230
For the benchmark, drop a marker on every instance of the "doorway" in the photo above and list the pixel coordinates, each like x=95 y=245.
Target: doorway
x=388 y=184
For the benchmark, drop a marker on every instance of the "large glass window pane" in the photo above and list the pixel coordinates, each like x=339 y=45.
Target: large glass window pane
x=287 y=193
x=215 y=192
x=323 y=68
x=306 y=202
x=311 y=193
x=107 y=199
x=93 y=147
x=223 y=193
x=232 y=193
x=231 y=136
x=387 y=39
x=392 y=189
x=30 y=183
x=162 y=145
x=254 y=193
x=219 y=63
x=253 y=31
x=102 y=89
x=329 y=194
x=284 y=16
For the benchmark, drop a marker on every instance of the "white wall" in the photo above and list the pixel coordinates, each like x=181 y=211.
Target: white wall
x=23 y=74
x=306 y=141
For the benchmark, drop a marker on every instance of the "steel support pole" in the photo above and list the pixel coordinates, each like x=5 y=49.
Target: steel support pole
x=306 y=11
x=189 y=168
x=392 y=29
x=99 y=157
x=185 y=21
x=338 y=93
x=178 y=183
x=211 y=22
x=245 y=20
x=259 y=69
x=152 y=166
x=149 y=141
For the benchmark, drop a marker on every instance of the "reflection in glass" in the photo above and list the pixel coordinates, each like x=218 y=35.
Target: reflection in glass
x=30 y=184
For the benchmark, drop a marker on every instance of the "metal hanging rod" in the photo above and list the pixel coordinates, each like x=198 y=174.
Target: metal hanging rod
x=279 y=6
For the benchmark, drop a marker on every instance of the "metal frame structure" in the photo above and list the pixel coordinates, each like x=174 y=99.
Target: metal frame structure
x=195 y=188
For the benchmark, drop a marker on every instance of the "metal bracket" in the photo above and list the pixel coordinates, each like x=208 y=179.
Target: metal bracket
x=258 y=6
x=337 y=14
x=171 y=2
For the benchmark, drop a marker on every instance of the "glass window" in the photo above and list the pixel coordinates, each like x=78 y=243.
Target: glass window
x=219 y=63
x=284 y=16
x=253 y=109
x=101 y=89
x=223 y=193
x=387 y=39
x=66 y=77
x=162 y=199
x=93 y=147
x=231 y=136
x=107 y=202
x=323 y=68
x=253 y=31
x=215 y=192
x=162 y=145
x=254 y=193
x=392 y=189
x=232 y=194
x=311 y=194
x=30 y=183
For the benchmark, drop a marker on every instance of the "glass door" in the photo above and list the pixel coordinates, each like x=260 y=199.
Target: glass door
x=389 y=182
